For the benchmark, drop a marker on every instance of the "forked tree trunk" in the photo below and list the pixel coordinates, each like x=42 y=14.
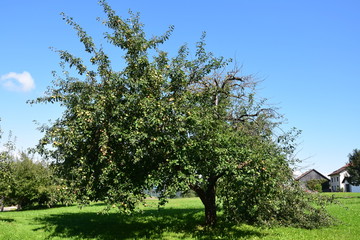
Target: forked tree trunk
x=208 y=198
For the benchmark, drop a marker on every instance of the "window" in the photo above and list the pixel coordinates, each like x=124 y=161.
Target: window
x=337 y=179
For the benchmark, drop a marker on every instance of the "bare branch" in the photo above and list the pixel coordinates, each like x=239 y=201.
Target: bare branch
x=242 y=117
x=232 y=78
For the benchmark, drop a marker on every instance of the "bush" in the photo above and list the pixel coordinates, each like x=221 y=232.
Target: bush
x=315 y=185
x=35 y=184
x=30 y=182
x=273 y=198
x=26 y=183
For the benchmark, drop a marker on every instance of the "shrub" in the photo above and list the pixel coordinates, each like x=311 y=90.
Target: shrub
x=35 y=184
x=315 y=185
x=273 y=199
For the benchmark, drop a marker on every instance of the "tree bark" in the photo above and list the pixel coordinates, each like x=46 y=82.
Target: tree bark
x=208 y=198
x=210 y=207
x=2 y=204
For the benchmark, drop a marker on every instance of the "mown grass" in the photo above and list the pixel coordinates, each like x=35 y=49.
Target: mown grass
x=180 y=219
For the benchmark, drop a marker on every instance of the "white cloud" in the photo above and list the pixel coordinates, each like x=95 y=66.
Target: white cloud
x=21 y=82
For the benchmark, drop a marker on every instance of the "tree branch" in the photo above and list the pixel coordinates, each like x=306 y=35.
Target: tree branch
x=243 y=164
x=200 y=192
x=242 y=117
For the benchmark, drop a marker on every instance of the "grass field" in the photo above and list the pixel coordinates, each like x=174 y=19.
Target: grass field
x=180 y=219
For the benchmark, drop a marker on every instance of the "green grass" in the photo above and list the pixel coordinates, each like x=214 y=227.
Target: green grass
x=180 y=219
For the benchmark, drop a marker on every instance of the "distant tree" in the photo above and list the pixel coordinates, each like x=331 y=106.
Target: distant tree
x=36 y=184
x=170 y=124
x=5 y=180
x=354 y=167
x=26 y=183
x=6 y=177
x=31 y=182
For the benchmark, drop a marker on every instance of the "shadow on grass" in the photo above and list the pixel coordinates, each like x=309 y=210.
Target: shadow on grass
x=6 y=220
x=152 y=224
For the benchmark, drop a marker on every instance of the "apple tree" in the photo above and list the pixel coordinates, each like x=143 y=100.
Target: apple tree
x=166 y=123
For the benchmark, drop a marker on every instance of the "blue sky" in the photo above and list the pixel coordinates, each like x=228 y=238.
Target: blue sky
x=307 y=52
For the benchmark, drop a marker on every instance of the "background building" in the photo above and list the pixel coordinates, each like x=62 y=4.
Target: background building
x=339 y=181
x=312 y=175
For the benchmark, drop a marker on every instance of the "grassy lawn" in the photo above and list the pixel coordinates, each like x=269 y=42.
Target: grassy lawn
x=181 y=219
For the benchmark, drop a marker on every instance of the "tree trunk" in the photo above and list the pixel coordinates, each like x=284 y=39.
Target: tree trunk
x=2 y=199
x=210 y=207
x=208 y=198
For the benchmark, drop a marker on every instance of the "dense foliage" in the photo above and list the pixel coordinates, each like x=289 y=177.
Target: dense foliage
x=5 y=172
x=36 y=184
x=165 y=123
x=26 y=183
x=317 y=185
x=354 y=167
x=30 y=182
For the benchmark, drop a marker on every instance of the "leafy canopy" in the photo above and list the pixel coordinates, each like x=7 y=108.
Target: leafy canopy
x=354 y=167
x=6 y=158
x=164 y=123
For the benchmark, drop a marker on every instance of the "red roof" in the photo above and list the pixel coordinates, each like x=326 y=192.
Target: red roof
x=340 y=170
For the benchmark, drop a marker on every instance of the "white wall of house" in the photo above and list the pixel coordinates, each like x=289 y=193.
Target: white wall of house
x=336 y=181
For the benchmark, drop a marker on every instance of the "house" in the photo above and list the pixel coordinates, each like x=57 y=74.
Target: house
x=314 y=175
x=340 y=181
